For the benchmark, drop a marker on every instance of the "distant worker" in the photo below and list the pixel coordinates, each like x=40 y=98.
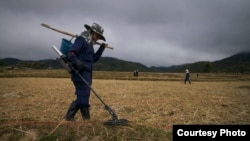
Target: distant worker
x=136 y=73
x=187 y=77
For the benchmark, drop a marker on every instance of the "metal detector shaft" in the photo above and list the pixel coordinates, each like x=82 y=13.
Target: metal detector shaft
x=106 y=107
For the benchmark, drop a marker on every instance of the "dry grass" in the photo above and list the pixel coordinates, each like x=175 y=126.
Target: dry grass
x=31 y=107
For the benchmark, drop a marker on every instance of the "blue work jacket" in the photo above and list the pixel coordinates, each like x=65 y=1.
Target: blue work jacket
x=84 y=52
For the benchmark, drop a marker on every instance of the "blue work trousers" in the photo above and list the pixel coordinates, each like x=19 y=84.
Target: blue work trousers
x=82 y=92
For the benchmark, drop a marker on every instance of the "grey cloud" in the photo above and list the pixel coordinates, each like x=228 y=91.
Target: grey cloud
x=159 y=33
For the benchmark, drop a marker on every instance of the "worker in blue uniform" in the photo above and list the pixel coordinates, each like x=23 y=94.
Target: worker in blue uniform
x=82 y=56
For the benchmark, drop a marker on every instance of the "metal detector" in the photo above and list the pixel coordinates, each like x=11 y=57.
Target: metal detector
x=64 y=61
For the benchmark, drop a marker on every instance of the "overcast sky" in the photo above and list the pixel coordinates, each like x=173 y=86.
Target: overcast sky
x=151 y=32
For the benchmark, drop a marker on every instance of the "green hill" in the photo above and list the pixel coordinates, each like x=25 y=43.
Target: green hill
x=41 y=64
x=113 y=64
x=9 y=61
x=237 y=63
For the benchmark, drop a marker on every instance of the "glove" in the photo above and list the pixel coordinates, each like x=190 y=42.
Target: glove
x=81 y=66
x=103 y=45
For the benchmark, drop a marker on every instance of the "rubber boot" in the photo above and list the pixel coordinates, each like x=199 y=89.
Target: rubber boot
x=73 y=108
x=85 y=113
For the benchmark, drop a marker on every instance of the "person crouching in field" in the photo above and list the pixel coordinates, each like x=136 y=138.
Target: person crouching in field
x=82 y=56
x=187 y=77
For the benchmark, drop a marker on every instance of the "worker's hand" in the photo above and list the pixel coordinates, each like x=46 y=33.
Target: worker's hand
x=103 y=45
x=81 y=66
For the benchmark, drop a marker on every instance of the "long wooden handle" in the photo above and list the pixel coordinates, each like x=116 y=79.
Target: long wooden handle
x=58 y=30
x=69 y=34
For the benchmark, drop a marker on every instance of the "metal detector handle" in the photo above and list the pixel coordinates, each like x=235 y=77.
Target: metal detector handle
x=57 y=51
x=62 y=56
x=63 y=60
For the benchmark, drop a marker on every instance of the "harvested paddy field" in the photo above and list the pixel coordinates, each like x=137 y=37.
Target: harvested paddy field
x=32 y=107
